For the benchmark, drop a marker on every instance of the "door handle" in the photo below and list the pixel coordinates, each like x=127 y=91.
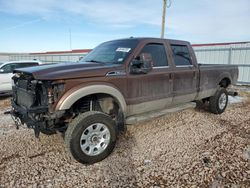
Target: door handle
x=171 y=76
x=194 y=74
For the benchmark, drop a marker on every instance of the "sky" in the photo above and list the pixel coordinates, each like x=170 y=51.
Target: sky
x=45 y=25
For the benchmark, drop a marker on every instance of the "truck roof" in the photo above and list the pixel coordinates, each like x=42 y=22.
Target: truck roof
x=153 y=38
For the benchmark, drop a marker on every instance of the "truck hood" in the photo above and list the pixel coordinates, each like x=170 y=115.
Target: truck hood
x=68 y=70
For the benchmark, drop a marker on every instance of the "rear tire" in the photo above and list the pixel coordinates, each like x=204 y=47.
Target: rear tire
x=218 y=102
x=91 y=137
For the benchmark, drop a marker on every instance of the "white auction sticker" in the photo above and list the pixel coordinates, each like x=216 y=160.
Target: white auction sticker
x=120 y=59
x=123 y=49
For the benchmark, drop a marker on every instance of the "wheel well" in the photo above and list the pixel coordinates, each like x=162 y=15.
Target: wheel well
x=225 y=82
x=95 y=102
x=100 y=102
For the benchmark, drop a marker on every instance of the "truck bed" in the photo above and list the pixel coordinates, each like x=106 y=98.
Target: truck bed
x=211 y=74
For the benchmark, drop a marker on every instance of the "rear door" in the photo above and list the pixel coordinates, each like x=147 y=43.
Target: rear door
x=185 y=74
x=151 y=91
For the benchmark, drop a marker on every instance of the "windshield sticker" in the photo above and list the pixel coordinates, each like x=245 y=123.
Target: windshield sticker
x=123 y=49
x=120 y=59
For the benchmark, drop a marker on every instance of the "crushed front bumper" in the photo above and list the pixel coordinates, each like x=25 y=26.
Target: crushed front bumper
x=22 y=115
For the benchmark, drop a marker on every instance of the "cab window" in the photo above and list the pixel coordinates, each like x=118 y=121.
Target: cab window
x=158 y=53
x=181 y=55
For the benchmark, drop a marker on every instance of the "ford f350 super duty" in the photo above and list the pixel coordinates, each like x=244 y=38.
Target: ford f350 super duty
x=92 y=100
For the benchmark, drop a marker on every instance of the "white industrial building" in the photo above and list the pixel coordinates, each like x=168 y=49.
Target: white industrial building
x=53 y=57
x=237 y=53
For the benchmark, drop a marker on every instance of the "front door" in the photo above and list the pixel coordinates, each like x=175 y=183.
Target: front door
x=151 y=91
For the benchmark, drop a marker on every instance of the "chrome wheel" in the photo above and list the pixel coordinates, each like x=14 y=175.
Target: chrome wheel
x=222 y=101
x=95 y=138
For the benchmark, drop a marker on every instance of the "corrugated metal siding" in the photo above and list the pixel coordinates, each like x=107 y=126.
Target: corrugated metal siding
x=233 y=53
x=49 y=58
x=236 y=54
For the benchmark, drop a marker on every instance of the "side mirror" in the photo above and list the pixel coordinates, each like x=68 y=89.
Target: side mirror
x=142 y=64
x=1 y=71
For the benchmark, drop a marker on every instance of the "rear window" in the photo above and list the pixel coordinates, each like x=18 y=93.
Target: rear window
x=181 y=55
x=23 y=65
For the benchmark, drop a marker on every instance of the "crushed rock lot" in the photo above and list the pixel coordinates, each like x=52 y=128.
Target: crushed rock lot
x=192 y=148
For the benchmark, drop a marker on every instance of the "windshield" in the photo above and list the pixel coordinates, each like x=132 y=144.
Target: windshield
x=113 y=52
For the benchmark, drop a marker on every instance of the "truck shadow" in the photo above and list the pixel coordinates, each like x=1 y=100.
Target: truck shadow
x=202 y=107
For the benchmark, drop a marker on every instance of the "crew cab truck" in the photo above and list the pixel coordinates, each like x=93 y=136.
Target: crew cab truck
x=91 y=101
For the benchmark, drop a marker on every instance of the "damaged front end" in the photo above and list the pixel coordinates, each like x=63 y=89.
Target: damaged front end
x=32 y=103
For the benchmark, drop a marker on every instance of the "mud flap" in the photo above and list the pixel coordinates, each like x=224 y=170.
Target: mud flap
x=121 y=122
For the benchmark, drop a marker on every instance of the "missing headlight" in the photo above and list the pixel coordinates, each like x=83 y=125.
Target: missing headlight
x=55 y=92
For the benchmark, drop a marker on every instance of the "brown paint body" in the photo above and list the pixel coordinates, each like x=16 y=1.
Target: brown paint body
x=179 y=84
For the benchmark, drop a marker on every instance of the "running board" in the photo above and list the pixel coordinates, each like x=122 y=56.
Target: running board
x=150 y=115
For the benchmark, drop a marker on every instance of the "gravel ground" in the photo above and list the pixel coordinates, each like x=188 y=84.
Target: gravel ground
x=192 y=148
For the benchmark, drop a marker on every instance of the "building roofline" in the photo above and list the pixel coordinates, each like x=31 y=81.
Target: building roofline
x=62 y=52
x=88 y=50
x=220 y=44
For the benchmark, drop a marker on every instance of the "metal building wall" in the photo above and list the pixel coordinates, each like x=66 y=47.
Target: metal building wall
x=7 y=56
x=231 y=53
x=49 y=58
x=227 y=53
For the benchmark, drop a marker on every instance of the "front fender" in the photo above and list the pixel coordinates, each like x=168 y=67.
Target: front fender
x=74 y=95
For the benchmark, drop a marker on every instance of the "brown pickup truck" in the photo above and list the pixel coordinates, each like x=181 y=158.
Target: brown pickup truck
x=92 y=100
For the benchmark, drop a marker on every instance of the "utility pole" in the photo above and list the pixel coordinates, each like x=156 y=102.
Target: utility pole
x=163 y=18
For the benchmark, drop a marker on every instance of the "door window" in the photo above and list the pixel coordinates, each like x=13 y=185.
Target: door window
x=181 y=55
x=158 y=54
x=8 y=68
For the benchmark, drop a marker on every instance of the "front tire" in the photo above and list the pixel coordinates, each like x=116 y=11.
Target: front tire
x=91 y=137
x=218 y=102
